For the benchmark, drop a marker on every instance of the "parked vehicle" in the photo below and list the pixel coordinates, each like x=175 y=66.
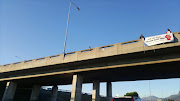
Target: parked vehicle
x=127 y=98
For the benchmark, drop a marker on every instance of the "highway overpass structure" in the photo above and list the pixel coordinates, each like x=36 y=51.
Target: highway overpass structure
x=126 y=61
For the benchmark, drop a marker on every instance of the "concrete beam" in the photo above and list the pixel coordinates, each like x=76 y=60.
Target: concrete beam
x=9 y=91
x=54 y=93
x=96 y=89
x=76 y=87
x=109 y=91
x=35 y=93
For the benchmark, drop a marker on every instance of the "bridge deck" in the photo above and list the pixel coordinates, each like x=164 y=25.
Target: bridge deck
x=101 y=63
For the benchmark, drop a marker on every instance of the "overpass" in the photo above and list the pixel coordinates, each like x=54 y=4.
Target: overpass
x=126 y=61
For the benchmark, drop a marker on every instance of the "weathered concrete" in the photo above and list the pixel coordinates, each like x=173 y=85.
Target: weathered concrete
x=35 y=93
x=104 y=51
x=95 y=93
x=125 y=61
x=9 y=91
x=54 y=93
x=109 y=91
x=2 y=89
x=76 y=87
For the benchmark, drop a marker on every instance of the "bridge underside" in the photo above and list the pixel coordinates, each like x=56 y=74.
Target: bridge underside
x=132 y=73
x=148 y=65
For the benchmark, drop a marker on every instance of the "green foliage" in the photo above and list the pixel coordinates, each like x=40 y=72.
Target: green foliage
x=132 y=94
x=169 y=100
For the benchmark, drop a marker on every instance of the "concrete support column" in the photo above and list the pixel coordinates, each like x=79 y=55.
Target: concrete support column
x=35 y=93
x=109 y=91
x=96 y=89
x=54 y=93
x=76 y=87
x=9 y=91
x=2 y=89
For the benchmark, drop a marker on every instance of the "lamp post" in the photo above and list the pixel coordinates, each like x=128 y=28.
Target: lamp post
x=67 y=25
x=150 y=92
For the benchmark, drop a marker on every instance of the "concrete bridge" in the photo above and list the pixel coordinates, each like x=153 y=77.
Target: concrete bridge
x=126 y=61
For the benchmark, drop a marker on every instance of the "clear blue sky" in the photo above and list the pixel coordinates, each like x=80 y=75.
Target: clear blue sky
x=36 y=28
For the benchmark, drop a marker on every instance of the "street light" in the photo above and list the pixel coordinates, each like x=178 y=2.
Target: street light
x=68 y=24
x=150 y=92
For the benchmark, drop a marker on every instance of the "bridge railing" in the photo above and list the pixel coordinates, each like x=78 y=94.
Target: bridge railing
x=98 y=52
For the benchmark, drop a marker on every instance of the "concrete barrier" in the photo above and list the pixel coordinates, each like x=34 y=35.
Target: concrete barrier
x=104 y=51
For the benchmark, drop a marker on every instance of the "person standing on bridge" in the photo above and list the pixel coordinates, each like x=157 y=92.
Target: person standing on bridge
x=142 y=37
x=168 y=31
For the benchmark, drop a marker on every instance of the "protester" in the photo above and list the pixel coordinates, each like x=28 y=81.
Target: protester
x=168 y=31
x=90 y=47
x=142 y=37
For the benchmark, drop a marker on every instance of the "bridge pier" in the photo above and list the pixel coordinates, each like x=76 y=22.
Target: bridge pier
x=9 y=91
x=76 y=87
x=54 y=93
x=96 y=89
x=35 y=93
x=2 y=89
x=109 y=91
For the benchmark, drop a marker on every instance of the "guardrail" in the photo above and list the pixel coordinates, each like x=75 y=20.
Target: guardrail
x=103 y=51
x=71 y=53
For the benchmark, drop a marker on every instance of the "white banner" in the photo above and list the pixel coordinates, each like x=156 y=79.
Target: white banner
x=154 y=40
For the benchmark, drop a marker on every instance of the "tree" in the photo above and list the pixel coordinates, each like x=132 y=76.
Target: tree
x=169 y=100
x=132 y=94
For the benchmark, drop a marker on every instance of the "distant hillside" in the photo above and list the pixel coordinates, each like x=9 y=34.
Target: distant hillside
x=154 y=98
x=175 y=97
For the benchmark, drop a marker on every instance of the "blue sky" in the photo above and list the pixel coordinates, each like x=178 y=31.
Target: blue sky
x=36 y=28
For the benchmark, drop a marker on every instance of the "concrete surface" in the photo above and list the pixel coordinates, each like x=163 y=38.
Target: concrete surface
x=104 y=51
x=35 y=93
x=127 y=61
x=2 y=89
x=9 y=91
x=121 y=62
x=54 y=93
x=76 y=87
x=109 y=91
x=96 y=90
